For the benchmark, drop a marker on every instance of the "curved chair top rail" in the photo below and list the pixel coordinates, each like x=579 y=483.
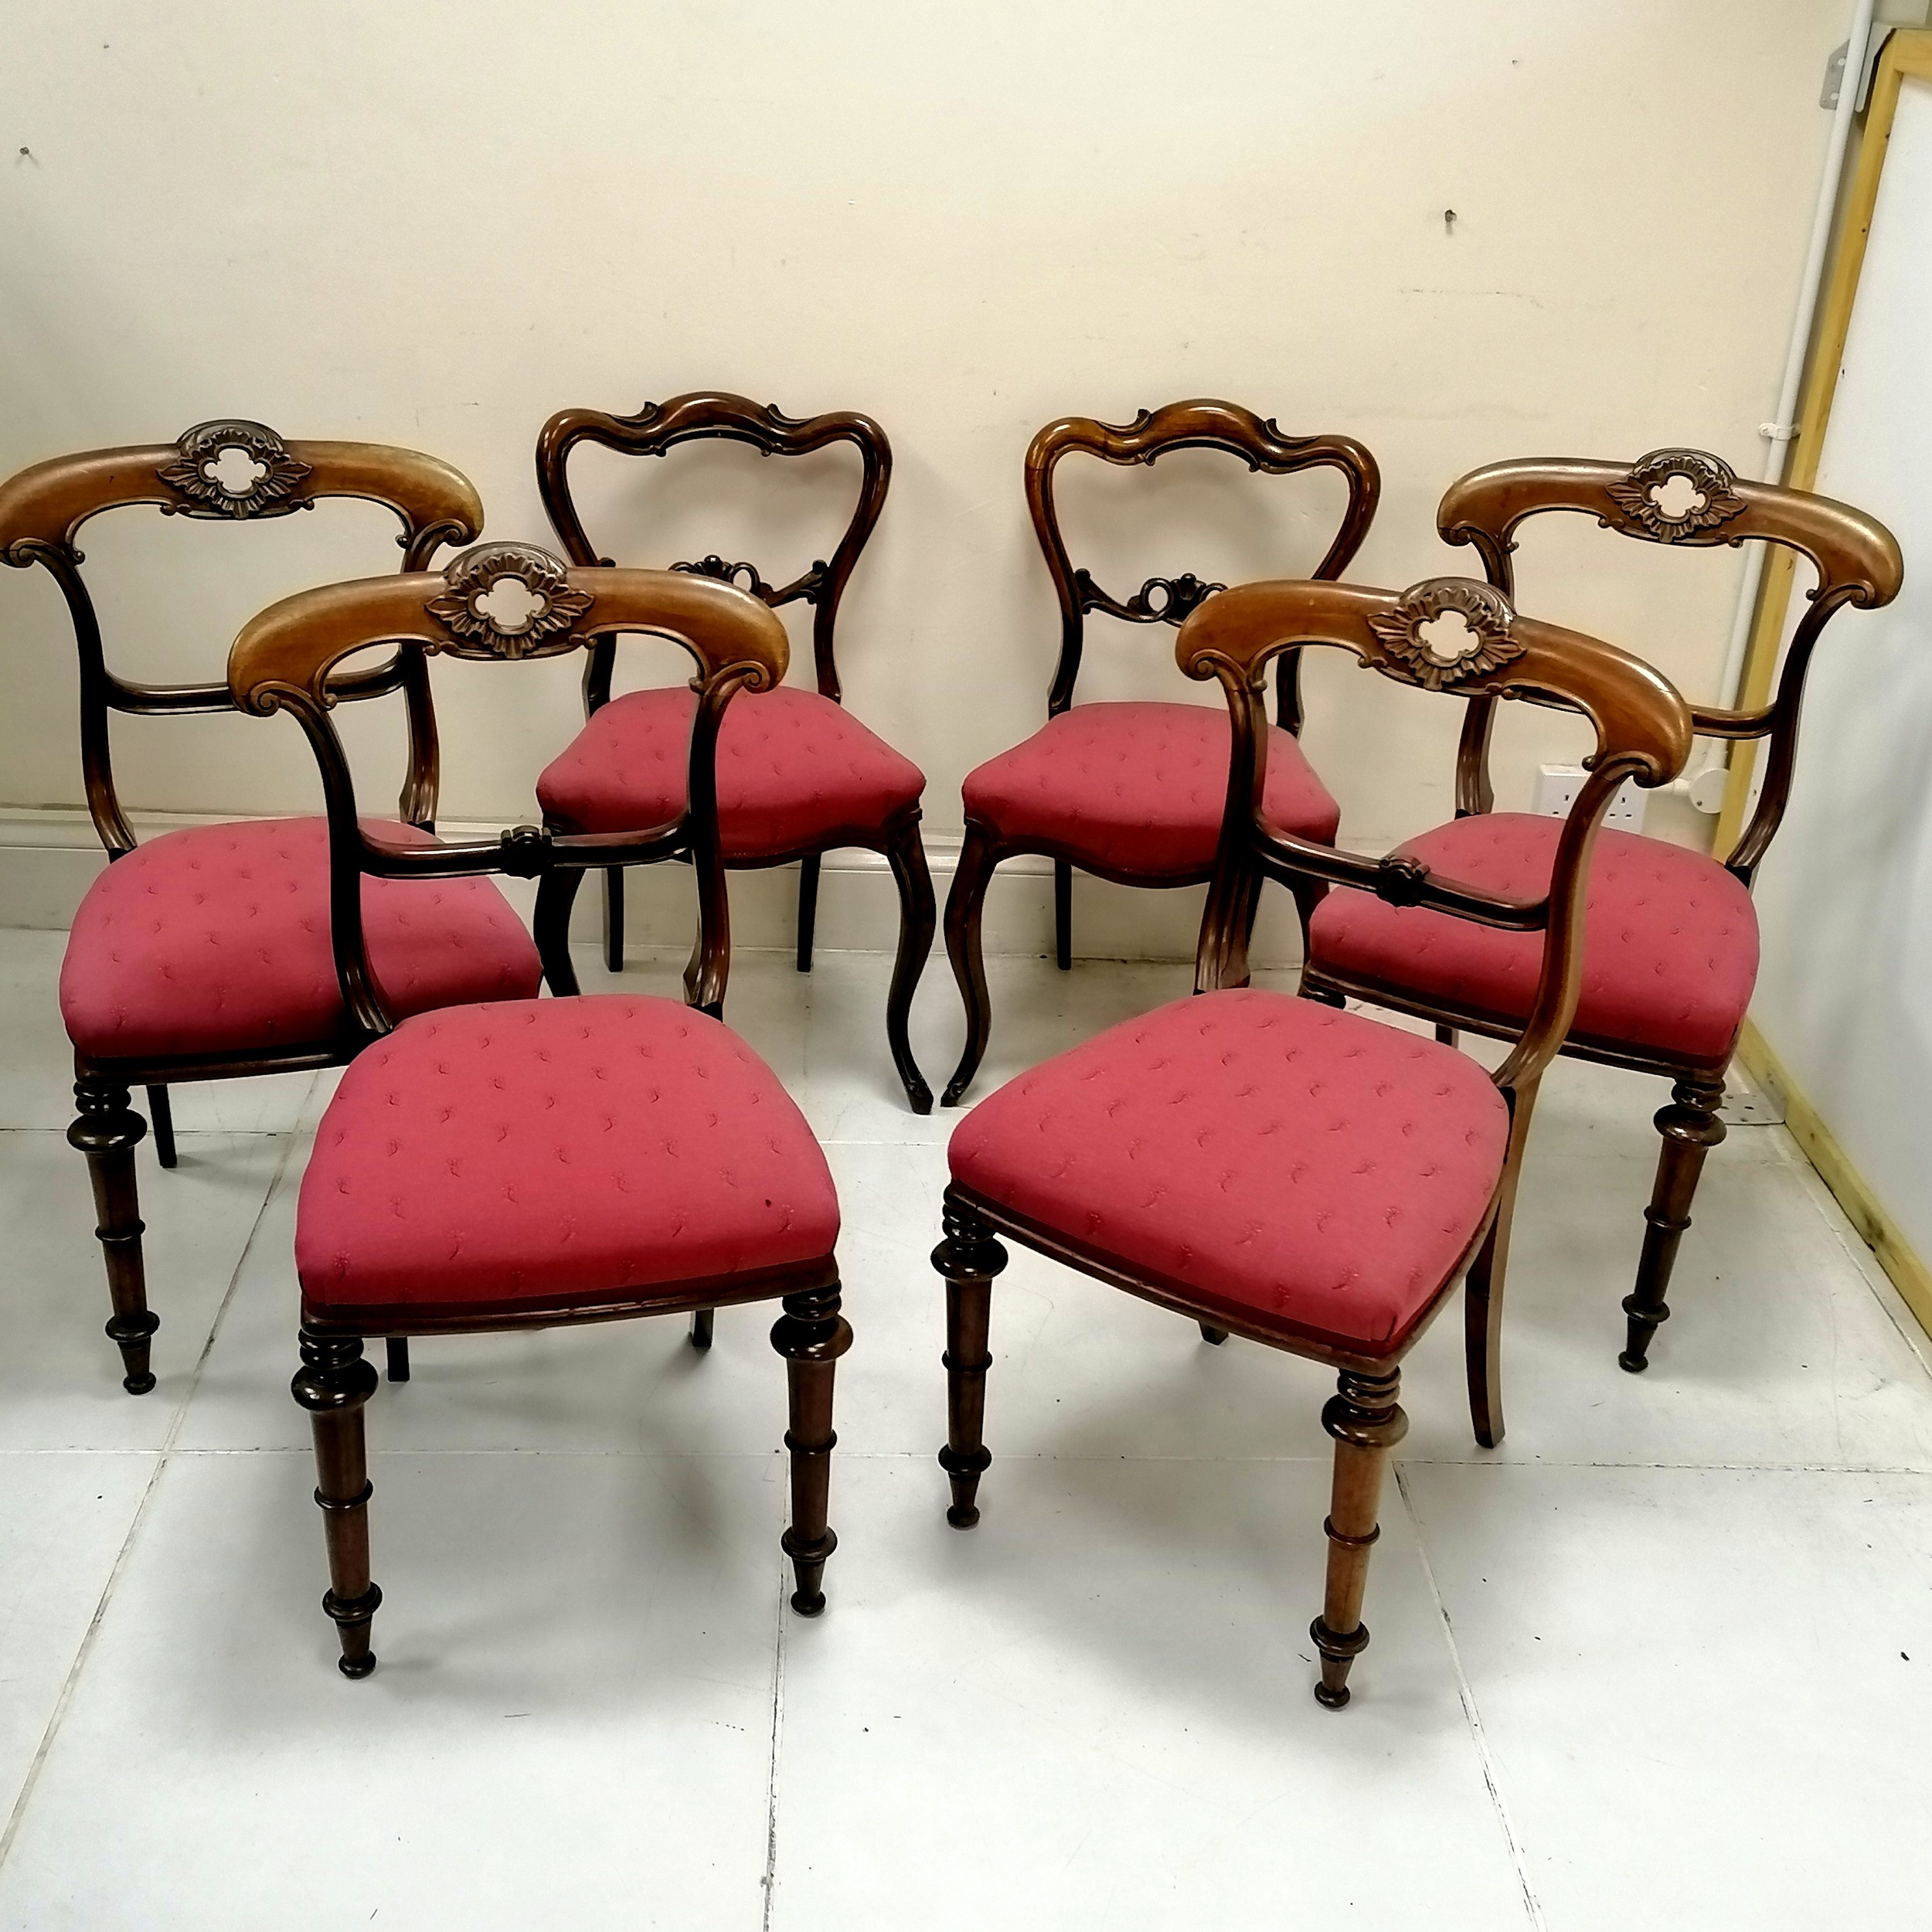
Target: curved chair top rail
x=1643 y=732
x=659 y=427
x=1850 y=551
x=236 y=472
x=290 y=649
x=1201 y=423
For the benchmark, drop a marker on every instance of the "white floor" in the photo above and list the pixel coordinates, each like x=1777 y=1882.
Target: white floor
x=1664 y=1660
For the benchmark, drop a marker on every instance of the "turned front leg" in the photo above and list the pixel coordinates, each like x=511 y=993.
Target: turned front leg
x=333 y=1384
x=812 y=1334
x=1366 y=1422
x=108 y=1130
x=969 y=1258
x=1690 y=1128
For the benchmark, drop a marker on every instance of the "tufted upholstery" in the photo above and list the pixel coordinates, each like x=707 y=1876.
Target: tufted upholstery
x=216 y=941
x=556 y=1151
x=1670 y=945
x=795 y=770
x=1138 y=789
x=1280 y=1159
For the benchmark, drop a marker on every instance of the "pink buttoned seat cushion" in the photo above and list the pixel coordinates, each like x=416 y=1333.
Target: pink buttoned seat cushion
x=1278 y=1159
x=1139 y=789
x=1670 y=938
x=216 y=940
x=554 y=1151
x=794 y=770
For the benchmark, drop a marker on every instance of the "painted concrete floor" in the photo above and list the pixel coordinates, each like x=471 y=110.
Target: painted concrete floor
x=1664 y=1660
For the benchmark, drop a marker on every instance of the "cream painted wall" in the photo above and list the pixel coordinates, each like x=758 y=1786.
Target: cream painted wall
x=435 y=224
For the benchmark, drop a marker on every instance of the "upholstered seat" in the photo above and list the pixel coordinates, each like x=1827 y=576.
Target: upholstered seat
x=1274 y=1157
x=1670 y=951
x=551 y=1152
x=1138 y=788
x=215 y=940
x=795 y=770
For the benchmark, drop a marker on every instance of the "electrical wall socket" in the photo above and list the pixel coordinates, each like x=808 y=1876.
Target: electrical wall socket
x=1558 y=785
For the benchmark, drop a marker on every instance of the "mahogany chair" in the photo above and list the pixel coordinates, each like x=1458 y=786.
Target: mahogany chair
x=798 y=775
x=204 y=954
x=535 y=1163
x=1132 y=792
x=1274 y=1167
x=1671 y=955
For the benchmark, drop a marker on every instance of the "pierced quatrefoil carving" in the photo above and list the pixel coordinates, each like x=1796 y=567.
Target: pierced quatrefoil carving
x=1445 y=632
x=507 y=601
x=1673 y=493
x=235 y=469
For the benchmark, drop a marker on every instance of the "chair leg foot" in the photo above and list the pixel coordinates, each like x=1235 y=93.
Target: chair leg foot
x=396 y=1352
x=1063 y=915
x=965 y=903
x=1366 y=1421
x=812 y=1334
x=1217 y=1336
x=808 y=909
x=160 y=1116
x=107 y=1130
x=917 y=914
x=701 y=1326
x=969 y=1256
x=1690 y=1128
x=334 y=1384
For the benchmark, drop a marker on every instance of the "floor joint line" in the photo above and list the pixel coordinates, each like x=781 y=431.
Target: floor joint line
x=1491 y=1777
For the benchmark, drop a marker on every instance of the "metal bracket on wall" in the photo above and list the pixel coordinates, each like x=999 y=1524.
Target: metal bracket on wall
x=1834 y=70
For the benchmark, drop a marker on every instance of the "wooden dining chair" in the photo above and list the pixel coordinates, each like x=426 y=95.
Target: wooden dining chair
x=1132 y=791
x=538 y=1163
x=798 y=775
x=1671 y=955
x=1275 y=1167
x=204 y=954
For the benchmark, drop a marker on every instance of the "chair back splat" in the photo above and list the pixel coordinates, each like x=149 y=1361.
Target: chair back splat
x=1643 y=732
x=1202 y=423
x=508 y=601
x=658 y=428
x=231 y=472
x=1687 y=499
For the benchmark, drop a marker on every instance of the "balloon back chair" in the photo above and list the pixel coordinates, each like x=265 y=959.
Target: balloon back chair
x=1671 y=953
x=534 y=1163
x=204 y=954
x=798 y=775
x=1272 y=1166
x=1132 y=792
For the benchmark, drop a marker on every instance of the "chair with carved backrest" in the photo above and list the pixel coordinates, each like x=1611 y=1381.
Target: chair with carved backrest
x=1672 y=951
x=601 y=1157
x=1309 y=1177
x=204 y=954
x=799 y=776
x=1132 y=792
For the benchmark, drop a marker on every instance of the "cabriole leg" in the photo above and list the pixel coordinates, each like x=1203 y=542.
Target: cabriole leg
x=1366 y=1421
x=555 y=894
x=333 y=1384
x=965 y=904
x=108 y=1130
x=969 y=1256
x=808 y=909
x=906 y=855
x=1691 y=1128
x=161 y=1117
x=812 y=1334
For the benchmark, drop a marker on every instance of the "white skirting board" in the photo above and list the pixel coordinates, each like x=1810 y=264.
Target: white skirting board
x=49 y=858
